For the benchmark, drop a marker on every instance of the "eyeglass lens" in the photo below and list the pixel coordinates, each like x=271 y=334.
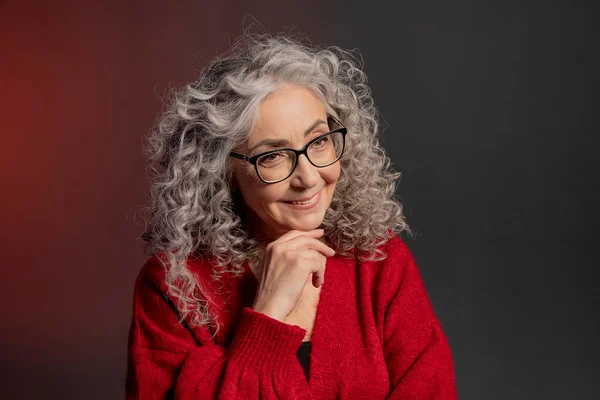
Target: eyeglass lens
x=279 y=165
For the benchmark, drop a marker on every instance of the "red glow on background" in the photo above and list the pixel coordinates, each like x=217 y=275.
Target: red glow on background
x=79 y=89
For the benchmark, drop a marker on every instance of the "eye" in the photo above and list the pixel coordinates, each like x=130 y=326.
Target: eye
x=321 y=142
x=272 y=159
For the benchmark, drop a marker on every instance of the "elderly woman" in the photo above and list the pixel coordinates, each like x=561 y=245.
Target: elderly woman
x=276 y=268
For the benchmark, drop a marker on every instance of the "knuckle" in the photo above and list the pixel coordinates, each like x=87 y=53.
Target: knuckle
x=274 y=250
x=299 y=261
x=305 y=265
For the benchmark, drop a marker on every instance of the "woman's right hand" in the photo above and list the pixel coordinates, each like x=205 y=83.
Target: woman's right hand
x=288 y=263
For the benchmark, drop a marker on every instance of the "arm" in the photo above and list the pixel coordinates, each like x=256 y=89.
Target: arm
x=168 y=360
x=416 y=350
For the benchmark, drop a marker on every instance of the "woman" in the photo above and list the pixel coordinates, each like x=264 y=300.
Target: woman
x=277 y=271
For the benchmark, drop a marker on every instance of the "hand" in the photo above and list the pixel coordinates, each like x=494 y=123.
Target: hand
x=289 y=261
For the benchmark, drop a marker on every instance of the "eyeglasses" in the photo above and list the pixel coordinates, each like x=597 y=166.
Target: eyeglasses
x=277 y=165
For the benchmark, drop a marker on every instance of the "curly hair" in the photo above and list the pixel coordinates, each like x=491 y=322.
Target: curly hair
x=194 y=211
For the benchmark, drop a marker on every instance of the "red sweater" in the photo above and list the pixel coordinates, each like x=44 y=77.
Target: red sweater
x=375 y=337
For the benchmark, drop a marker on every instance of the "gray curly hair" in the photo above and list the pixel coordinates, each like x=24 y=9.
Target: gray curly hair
x=194 y=212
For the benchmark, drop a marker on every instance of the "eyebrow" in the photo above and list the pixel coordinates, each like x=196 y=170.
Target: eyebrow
x=283 y=142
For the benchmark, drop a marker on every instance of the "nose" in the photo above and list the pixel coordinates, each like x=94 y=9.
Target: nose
x=305 y=175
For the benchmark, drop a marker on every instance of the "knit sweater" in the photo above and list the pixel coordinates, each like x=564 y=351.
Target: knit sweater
x=375 y=337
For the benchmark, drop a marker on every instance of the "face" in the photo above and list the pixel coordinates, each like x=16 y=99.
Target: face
x=292 y=116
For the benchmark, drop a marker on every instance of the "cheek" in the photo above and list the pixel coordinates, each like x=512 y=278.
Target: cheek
x=255 y=192
x=250 y=177
x=332 y=173
x=246 y=178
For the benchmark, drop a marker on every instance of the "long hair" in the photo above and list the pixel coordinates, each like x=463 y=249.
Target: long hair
x=194 y=212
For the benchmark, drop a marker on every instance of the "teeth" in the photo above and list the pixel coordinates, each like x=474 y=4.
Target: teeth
x=305 y=202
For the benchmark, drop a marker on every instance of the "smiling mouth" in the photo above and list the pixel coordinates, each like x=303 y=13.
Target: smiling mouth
x=306 y=202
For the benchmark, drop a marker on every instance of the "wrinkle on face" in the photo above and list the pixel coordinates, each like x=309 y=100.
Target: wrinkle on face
x=286 y=115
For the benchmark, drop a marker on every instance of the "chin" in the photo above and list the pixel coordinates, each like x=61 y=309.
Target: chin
x=306 y=226
x=308 y=223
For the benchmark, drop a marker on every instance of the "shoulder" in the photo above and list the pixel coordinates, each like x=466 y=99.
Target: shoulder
x=153 y=273
x=157 y=322
x=400 y=265
x=153 y=268
x=396 y=276
x=151 y=276
x=398 y=260
x=405 y=286
x=395 y=247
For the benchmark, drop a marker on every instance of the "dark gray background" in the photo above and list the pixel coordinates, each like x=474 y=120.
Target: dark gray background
x=485 y=107
x=485 y=117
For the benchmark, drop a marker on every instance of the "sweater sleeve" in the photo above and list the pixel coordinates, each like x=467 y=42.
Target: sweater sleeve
x=168 y=360
x=416 y=350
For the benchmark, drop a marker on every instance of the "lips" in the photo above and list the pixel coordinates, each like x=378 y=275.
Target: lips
x=305 y=200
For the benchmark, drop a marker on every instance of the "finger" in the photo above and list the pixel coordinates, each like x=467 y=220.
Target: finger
x=316 y=233
x=318 y=276
x=315 y=265
x=306 y=242
x=316 y=282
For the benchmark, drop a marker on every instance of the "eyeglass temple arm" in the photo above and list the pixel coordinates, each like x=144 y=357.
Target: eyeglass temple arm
x=238 y=155
x=337 y=121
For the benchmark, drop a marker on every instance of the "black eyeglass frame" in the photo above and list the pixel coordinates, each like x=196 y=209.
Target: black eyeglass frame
x=253 y=160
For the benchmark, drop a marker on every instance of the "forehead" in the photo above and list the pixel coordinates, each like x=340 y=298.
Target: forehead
x=287 y=113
